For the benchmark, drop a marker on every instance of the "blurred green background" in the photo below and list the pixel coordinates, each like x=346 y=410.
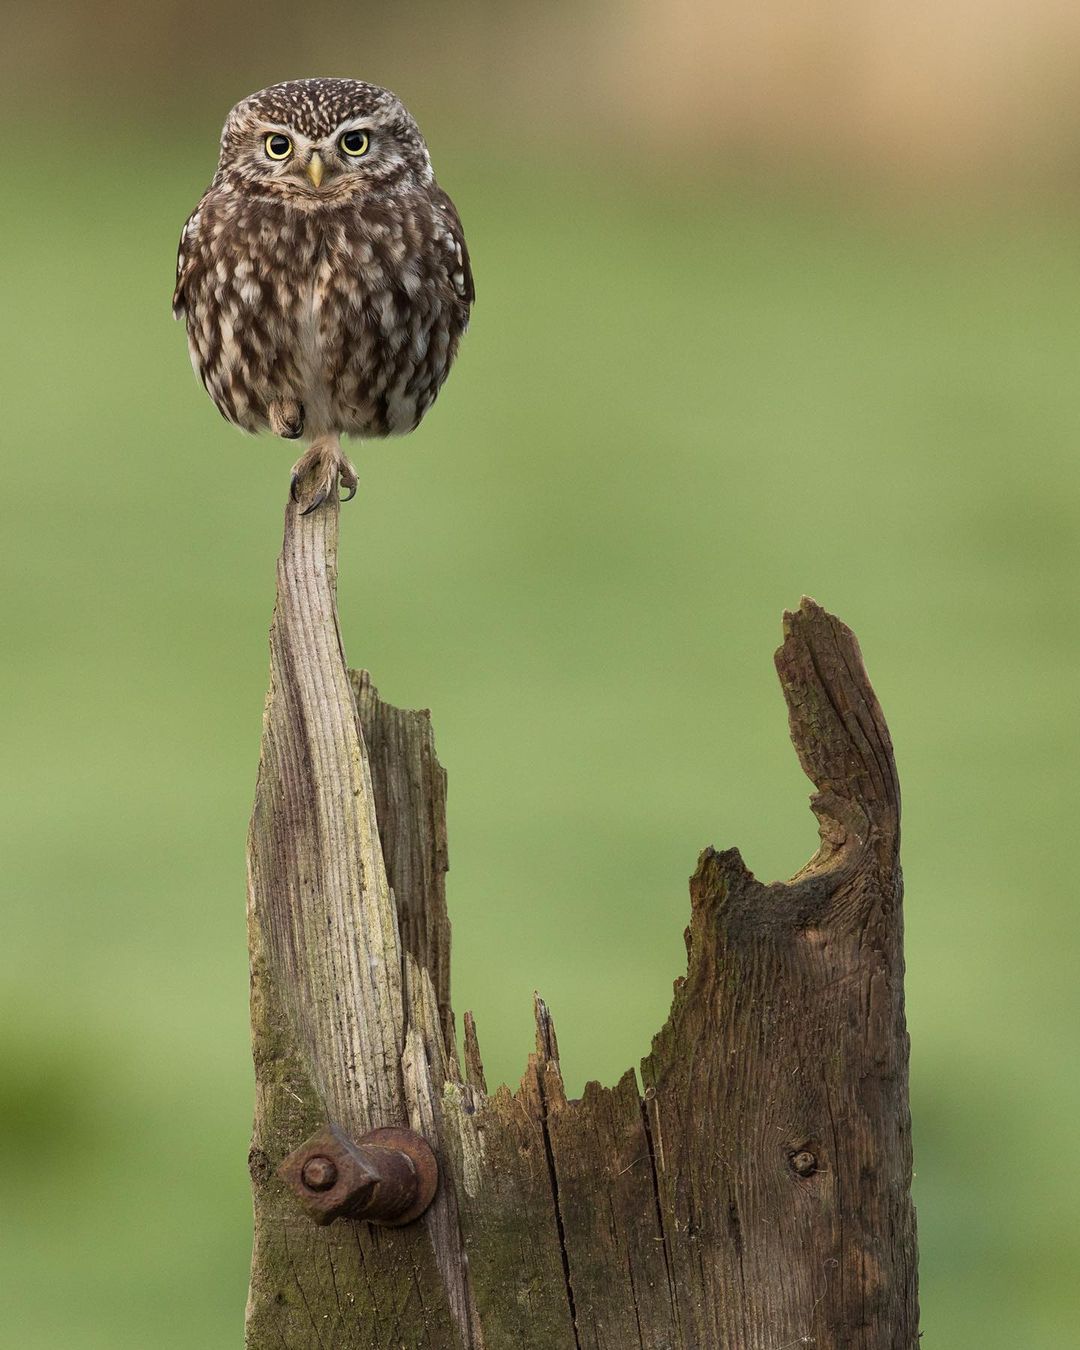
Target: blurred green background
x=768 y=305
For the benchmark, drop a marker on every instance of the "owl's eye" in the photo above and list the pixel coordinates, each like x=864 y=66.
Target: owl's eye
x=278 y=146
x=355 y=143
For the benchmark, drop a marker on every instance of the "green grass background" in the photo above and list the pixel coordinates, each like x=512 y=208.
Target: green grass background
x=677 y=411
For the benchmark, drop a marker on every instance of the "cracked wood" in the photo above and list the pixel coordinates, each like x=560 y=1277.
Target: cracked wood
x=753 y=1195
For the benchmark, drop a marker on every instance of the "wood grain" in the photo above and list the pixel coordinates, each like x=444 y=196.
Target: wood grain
x=329 y=1029
x=754 y=1194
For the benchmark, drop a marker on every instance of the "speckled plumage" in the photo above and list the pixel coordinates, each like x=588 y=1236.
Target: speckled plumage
x=327 y=299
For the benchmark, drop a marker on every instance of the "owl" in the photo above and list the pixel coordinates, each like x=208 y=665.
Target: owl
x=323 y=277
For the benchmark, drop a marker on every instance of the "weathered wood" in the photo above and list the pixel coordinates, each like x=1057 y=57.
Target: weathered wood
x=410 y=807
x=329 y=1029
x=754 y=1196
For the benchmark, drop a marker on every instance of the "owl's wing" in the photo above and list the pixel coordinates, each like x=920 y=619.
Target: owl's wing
x=186 y=259
x=457 y=253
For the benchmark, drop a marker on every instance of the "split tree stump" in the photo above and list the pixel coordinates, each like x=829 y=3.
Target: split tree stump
x=754 y=1196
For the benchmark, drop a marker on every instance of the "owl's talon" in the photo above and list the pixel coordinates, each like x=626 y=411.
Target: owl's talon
x=324 y=466
x=348 y=478
x=286 y=418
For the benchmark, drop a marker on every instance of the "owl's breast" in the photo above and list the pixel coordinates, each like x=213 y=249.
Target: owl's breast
x=352 y=314
x=384 y=324
x=318 y=331
x=246 y=306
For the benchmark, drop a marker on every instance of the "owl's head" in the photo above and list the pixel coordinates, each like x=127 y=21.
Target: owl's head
x=316 y=142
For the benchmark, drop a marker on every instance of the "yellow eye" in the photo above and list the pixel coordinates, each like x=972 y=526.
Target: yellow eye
x=355 y=143
x=278 y=146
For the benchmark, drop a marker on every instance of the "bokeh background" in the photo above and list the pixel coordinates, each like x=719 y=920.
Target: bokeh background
x=773 y=299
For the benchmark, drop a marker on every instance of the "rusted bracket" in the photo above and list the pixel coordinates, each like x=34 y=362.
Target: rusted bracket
x=388 y=1176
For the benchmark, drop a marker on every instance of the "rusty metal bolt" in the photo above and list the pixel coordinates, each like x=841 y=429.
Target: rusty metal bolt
x=318 y=1173
x=389 y=1176
x=804 y=1164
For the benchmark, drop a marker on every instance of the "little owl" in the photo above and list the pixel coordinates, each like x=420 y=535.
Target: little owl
x=324 y=275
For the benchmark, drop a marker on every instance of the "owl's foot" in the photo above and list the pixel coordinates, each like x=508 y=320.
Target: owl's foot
x=325 y=465
x=286 y=418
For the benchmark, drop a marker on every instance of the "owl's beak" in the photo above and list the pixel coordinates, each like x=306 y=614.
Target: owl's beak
x=316 y=168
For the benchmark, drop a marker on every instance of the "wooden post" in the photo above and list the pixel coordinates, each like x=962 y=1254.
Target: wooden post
x=755 y=1195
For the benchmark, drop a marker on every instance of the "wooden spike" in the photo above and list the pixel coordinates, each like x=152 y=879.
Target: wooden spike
x=547 y=1045
x=474 y=1065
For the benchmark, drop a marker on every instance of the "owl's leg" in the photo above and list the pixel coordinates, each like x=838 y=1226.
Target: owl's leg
x=286 y=418
x=324 y=464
